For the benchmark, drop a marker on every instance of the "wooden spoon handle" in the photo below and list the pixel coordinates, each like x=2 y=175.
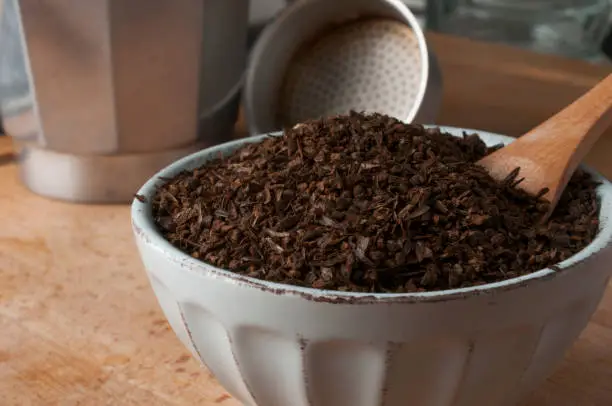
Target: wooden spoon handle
x=580 y=124
x=550 y=153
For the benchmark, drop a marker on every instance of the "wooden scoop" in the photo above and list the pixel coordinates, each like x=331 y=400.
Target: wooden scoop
x=549 y=154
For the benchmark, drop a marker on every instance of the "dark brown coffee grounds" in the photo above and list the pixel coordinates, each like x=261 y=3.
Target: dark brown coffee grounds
x=366 y=203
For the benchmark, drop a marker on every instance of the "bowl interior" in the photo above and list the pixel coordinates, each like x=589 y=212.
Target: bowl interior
x=142 y=221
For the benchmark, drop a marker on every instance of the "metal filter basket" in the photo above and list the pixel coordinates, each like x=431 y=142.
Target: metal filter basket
x=321 y=58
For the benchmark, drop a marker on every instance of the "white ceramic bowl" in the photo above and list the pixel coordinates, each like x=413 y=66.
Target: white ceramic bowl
x=275 y=345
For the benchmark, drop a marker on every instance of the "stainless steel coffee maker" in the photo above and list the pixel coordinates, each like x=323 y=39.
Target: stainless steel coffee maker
x=100 y=94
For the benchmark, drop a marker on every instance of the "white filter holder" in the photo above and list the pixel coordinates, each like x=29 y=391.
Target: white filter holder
x=321 y=58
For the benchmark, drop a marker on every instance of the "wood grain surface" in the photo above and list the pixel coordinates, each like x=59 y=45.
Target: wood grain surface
x=79 y=324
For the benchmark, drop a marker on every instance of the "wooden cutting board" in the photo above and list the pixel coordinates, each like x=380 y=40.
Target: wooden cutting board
x=79 y=324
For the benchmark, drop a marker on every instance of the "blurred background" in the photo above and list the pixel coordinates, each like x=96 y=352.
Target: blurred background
x=571 y=28
x=579 y=29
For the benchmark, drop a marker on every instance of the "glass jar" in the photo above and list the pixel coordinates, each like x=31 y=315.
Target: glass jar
x=573 y=28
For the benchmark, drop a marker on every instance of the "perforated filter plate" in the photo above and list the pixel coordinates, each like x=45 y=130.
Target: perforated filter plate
x=368 y=65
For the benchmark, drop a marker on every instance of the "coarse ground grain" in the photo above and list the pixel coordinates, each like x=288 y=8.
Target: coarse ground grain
x=365 y=203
